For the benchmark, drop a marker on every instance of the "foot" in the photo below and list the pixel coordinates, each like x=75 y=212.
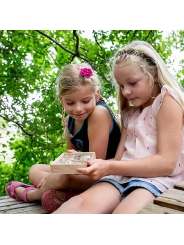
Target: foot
x=19 y=191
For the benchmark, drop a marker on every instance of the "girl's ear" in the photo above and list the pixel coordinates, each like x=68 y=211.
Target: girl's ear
x=97 y=95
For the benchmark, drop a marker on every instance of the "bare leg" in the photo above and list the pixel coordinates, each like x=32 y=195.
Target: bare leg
x=134 y=202
x=101 y=198
x=38 y=172
x=53 y=181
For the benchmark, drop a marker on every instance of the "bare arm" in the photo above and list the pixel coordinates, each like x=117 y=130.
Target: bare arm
x=99 y=125
x=121 y=146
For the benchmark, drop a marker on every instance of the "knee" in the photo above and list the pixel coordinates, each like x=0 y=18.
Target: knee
x=77 y=204
x=33 y=169
x=74 y=205
x=38 y=172
x=39 y=168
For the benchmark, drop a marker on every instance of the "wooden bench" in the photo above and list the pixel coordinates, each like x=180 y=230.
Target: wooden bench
x=11 y=206
x=169 y=202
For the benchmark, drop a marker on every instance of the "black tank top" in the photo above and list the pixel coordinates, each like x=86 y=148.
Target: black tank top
x=80 y=139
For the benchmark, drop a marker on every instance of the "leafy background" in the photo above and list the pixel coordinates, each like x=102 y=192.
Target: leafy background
x=30 y=62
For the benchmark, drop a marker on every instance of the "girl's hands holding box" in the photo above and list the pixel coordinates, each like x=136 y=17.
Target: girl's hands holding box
x=96 y=169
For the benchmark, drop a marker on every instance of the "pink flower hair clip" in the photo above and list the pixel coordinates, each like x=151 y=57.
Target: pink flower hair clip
x=86 y=72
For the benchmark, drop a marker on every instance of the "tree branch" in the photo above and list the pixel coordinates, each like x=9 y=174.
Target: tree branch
x=77 y=53
x=67 y=50
x=135 y=32
x=77 y=43
x=19 y=125
x=95 y=36
x=61 y=46
x=148 y=35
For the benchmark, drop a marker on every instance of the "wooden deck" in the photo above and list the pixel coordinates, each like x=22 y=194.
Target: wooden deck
x=170 y=202
x=11 y=206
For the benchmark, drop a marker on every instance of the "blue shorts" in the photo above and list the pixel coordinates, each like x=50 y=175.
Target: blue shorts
x=126 y=188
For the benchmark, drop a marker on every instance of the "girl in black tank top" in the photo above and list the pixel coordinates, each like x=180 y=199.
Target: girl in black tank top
x=80 y=139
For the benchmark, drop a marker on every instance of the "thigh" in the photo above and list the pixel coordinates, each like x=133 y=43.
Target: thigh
x=101 y=198
x=67 y=182
x=38 y=172
x=76 y=182
x=135 y=201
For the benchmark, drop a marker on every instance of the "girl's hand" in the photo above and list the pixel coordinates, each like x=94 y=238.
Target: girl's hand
x=41 y=182
x=96 y=169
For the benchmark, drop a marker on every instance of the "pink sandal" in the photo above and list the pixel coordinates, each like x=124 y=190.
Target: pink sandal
x=13 y=185
x=52 y=200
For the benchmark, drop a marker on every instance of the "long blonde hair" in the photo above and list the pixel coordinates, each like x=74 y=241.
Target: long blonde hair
x=148 y=60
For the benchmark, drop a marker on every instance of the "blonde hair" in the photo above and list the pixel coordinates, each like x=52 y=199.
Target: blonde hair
x=149 y=61
x=70 y=80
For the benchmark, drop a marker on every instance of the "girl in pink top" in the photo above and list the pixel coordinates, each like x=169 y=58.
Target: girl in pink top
x=150 y=155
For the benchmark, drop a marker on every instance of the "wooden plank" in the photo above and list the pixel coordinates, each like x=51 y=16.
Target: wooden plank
x=156 y=209
x=38 y=209
x=3 y=197
x=9 y=205
x=7 y=201
x=180 y=185
x=18 y=205
x=172 y=198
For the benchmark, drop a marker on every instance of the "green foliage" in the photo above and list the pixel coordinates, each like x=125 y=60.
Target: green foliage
x=30 y=61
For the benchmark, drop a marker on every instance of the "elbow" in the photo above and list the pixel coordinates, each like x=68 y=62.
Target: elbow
x=171 y=167
x=170 y=171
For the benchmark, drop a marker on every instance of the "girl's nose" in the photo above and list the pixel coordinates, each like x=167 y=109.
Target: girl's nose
x=78 y=107
x=126 y=91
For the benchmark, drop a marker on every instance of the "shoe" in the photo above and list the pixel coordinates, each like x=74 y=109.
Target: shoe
x=13 y=185
x=52 y=199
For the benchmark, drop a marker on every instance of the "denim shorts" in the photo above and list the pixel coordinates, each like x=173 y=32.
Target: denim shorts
x=126 y=188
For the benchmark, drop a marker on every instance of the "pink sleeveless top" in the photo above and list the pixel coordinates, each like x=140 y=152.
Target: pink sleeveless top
x=142 y=141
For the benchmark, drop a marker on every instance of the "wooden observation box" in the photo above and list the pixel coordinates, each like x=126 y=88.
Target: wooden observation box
x=67 y=163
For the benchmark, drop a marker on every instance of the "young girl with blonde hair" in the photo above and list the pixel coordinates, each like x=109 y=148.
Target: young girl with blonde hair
x=150 y=155
x=89 y=126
